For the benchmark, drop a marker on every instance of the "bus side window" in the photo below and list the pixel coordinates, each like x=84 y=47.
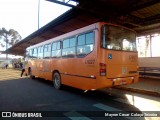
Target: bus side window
x=40 y=52
x=90 y=38
x=34 y=53
x=85 y=44
x=30 y=54
x=26 y=56
x=56 y=49
x=69 y=47
x=47 y=51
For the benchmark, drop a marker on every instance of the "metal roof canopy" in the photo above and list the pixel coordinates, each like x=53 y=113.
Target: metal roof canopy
x=142 y=16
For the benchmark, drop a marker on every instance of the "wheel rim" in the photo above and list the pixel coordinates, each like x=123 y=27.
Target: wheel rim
x=57 y=81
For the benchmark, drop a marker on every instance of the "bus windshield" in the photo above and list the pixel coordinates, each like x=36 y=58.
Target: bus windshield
x=118 y=38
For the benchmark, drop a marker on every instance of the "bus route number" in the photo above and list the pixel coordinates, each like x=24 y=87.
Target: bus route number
x=90 y=62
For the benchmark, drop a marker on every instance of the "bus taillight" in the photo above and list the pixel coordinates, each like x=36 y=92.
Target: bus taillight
x=102 y=70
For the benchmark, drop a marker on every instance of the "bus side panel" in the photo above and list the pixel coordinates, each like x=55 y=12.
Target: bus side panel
x=77 y=74
x=55 y=65
x=86 y=83
x=33 y=65
x=81 y=72
x=47 y=73
x=78 y=82
x=39 y=63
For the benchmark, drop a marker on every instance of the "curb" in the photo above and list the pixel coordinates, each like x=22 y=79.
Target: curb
x=142 y=91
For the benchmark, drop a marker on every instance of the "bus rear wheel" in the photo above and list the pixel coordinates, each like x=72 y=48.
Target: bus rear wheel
x=57 y=80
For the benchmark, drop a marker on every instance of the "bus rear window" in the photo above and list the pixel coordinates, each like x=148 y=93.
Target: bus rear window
x=118 y=38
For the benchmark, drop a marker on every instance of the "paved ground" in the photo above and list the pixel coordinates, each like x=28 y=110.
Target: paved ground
x=24 y=94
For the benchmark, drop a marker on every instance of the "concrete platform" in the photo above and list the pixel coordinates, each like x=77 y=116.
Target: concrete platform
x=149 y=86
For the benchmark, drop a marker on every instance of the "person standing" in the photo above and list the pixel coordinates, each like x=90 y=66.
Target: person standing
x=23 y=69
x=6 y=66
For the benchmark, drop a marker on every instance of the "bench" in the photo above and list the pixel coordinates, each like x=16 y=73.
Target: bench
x=149 y=71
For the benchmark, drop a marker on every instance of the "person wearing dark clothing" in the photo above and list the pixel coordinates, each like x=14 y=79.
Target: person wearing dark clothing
x=6 y=66
x=21 y=65
x=23 y=69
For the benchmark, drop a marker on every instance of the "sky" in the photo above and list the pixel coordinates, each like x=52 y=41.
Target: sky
x=22 y=15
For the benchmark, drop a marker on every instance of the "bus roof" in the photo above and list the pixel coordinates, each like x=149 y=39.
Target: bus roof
x=67 y=35
x=75 y=32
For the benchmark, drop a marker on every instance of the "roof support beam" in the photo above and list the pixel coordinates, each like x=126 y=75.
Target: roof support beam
x=143 y=4
x=151 y=20
x=62 y=3
x=139 y=5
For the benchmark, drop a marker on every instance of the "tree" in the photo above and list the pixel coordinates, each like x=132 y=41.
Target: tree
x=10 y=37
x=1 y=43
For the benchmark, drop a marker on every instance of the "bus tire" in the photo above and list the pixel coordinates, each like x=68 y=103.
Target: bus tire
x=30 y=74
x=57 y=80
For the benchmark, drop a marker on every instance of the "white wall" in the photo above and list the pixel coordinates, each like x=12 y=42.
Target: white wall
x=149 y=62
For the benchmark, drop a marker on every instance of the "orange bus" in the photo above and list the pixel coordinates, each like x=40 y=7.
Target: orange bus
x=96 y=56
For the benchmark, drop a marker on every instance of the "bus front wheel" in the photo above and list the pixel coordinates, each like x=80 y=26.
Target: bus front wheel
x=57 y=80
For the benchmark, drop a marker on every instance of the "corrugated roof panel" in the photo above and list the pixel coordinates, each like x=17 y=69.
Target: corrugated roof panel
x=148 y=11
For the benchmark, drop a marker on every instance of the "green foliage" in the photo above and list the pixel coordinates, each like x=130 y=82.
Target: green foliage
x=10 y=37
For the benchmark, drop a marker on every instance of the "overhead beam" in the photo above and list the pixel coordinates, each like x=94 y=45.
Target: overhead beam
x=129 y=19
x=138 y=5
x=134 y=6
x=148 y=31
x=61 y=3
x=151 y=20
